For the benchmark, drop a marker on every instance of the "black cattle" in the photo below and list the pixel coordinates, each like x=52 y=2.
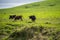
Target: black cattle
x=33 y=18
x=12 y=16
x=18 y=17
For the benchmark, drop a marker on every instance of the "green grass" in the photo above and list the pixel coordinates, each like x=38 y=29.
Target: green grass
x=42 y=10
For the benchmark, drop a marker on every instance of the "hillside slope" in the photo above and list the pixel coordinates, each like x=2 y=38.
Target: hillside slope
x=43 y=9
x=47 y=16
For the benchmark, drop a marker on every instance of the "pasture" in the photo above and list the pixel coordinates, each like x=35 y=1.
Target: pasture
x=47 y=15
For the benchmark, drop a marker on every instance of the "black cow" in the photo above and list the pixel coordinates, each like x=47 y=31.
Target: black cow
x=12 y=16
x=18 y=17
x=33 y=18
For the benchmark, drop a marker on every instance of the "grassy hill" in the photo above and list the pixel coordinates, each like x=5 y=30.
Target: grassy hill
x=47 y=15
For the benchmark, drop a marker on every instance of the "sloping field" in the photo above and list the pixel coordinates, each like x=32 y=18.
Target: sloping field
x=47 y=16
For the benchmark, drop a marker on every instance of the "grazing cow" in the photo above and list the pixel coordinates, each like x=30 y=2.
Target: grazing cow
x=33 y=18
x=12 y=16
x=18 y=17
